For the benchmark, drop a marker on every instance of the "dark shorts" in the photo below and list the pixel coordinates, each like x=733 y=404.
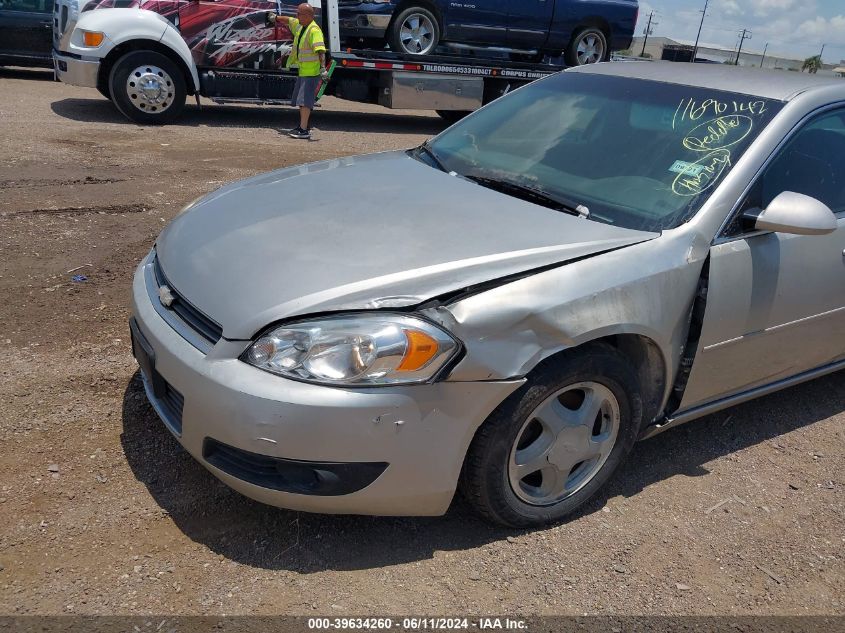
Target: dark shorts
x=305 y=91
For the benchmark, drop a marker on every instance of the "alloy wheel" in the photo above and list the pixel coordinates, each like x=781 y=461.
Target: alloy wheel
x=564 y=443
x=150 y=89
x=590 y=49
x=417 y=34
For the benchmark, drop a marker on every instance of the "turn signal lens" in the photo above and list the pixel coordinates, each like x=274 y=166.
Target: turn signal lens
x=421 y=349
x=92 y=38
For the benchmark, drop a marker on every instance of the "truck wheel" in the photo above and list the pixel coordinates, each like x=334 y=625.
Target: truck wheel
x=552 y=444
x=587 y=46
x=415 y=31
x=147 y=87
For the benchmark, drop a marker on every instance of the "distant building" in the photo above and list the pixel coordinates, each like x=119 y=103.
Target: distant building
x=655 y=47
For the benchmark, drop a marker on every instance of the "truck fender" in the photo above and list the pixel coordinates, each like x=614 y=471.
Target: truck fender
x=122 y=26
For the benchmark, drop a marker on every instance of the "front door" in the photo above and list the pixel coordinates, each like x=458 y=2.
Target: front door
x=776 y=302
x=26 y=31
x=477 y=21
x=529 y=22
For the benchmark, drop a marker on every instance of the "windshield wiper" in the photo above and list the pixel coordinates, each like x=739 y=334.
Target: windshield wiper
x=532 y=194
x=426 y=149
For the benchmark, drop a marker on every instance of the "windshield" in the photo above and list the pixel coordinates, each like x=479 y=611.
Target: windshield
x=638 y=154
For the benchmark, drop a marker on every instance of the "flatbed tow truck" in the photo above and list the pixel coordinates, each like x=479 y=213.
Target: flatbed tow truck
x=148 y=61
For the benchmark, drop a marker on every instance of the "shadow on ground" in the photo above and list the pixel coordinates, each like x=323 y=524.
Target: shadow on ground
x=261 y=536
x=37 y=74
x=101 y=110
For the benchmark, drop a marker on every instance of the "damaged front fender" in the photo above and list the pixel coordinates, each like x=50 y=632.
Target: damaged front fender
x=646 y=290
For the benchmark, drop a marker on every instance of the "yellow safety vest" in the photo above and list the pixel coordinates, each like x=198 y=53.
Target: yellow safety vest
x=307 y=43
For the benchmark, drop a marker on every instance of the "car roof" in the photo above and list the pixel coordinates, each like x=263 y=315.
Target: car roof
x=769 y=84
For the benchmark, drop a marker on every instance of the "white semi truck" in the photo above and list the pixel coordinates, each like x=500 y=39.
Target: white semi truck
x=148 y=56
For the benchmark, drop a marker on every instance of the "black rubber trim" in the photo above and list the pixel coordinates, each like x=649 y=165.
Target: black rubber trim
x=322 y=479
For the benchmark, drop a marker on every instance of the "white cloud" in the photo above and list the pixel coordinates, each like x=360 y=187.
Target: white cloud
x=764 y=7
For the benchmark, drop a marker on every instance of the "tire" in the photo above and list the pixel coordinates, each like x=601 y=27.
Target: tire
x=587 y=46
x=103 y=88
x=452 y=116
x=415 y=31
x=164 y=98
x=490 y=479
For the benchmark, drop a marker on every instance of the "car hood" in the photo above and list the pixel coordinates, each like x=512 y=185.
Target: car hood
x=377 y=231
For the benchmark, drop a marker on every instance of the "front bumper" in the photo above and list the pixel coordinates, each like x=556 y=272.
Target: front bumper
x=419 y=433
x=75 y=70
x=358 y=23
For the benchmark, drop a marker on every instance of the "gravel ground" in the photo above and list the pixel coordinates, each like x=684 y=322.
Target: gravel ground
x=102 y=512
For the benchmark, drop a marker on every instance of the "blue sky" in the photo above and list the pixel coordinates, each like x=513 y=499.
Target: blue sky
x=794 y=28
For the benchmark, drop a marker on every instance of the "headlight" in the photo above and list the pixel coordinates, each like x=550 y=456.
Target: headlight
x=360 y=350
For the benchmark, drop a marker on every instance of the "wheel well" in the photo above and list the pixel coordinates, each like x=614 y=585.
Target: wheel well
x=646 y=358
x=425 y=4
x=597 y=22
x=143 y=45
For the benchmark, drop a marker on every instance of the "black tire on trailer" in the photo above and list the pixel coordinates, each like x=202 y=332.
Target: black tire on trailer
x=147 y=87
x=551 y=445
x=452 y=116
x=587 y=46
x=415 y=31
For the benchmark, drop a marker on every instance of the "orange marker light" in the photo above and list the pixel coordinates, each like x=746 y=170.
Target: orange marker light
x=92 y=38
x=421 y=349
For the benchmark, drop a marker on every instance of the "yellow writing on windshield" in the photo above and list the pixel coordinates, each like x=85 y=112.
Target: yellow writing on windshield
x=716 y=125
x=718 y=133
x=702 y=174
x=694 y=110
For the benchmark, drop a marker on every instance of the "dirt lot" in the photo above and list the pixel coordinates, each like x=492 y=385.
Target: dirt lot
x=102 y=512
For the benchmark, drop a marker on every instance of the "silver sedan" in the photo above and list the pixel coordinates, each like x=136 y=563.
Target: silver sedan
x=590 y=260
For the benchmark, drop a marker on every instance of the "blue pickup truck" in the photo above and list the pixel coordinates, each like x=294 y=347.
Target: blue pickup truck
x=585 y=31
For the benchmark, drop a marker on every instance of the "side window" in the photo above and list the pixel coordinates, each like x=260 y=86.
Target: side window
x=29 y=6
x=811 y=163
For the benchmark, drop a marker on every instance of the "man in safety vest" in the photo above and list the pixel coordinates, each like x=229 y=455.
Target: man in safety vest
x=309 y=54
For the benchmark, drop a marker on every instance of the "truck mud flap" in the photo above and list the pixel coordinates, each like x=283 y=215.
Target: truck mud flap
x=218 y=84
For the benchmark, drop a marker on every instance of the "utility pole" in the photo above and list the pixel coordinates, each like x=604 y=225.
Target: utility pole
x=697 y=37
x=821 y=61
x=647 y=32
x=746 y=35
x=765 y=48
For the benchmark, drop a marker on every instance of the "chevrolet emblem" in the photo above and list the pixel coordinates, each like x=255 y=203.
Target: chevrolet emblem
x=165 y=296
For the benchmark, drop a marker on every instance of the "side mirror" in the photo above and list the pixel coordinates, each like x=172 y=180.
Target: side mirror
x=793 y=213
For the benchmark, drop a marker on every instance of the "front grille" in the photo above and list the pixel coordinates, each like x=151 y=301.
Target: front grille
x=325 y=479
x=192 y=317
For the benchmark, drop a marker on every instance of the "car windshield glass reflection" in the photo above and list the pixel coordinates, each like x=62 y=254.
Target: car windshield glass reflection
x=638 y=154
